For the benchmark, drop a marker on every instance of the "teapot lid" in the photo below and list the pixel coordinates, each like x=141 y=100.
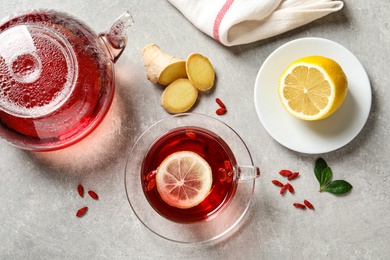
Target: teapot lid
x=38 y=67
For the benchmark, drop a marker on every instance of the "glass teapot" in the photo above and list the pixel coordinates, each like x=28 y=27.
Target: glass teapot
x=56 y=78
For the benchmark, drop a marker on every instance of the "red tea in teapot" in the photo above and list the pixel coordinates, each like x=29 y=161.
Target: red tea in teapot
x=56 y=81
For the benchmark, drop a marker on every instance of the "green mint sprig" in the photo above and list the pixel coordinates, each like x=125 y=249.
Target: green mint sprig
x=324 y=176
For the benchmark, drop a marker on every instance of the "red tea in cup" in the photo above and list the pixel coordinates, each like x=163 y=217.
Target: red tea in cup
x=212 y=160
x=213 y=150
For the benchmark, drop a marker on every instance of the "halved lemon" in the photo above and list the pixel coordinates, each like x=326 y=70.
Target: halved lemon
x=184 y=179
x=313 y=87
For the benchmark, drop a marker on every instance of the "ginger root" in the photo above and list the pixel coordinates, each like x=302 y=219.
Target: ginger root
x=183 y=78
x=161 y=67
x=200 y=71
x=179 y=96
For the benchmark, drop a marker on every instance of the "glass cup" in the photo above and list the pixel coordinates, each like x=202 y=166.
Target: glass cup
x=233 y=172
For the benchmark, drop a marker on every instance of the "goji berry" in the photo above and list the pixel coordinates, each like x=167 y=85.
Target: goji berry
x=285 y=173
x=227 y=165
x=221 y=111
x=293 y=176
x=190 y=134
x=81 y=212
x=93 y=195
x=151 y=184
x=308 y=204
x=222 y=174
x=283 y=189
x=80 y=190
x=229 y=176
x=151 y=175
x=277 y=183
x=220 y=103
x=290 y=187
x=299 y=205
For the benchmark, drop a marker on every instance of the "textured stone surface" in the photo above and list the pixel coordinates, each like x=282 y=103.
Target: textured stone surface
x=38 y=195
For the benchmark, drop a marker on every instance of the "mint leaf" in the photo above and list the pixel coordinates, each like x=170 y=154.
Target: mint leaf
x=338 y=187
x=319 y=168
x=326 y=176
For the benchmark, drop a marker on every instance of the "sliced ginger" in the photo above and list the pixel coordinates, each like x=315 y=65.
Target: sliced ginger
x=172 y=72
x=183 y=78
x=200 y=71
x=161 y=67
x=179 y=96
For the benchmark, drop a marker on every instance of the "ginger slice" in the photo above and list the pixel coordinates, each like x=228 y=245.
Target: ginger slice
x=179 y=96
x=200 y=71
x=172 y=72
x=161 y=67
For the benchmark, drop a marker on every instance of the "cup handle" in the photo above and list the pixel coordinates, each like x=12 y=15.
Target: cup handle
x=246 y=173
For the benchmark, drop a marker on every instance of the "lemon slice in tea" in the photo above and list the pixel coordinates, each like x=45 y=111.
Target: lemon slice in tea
x=184 y=179
x=313 y=87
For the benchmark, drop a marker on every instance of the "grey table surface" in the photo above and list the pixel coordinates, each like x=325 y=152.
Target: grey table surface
x=38 y=195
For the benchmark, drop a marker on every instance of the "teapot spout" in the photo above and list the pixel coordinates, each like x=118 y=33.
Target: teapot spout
x=115 y=39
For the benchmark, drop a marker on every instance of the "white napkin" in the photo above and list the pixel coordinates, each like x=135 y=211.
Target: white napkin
x=234 y=22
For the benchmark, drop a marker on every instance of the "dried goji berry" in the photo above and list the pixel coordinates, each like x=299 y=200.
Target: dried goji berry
x=229 y=176
x=285 y=173
x=220 y=103
x=151 y=184
x=190 y=134
x=80 y=190
x=81 y=212
x=228 y=165
x=222 y=174
x=283 y=189
x=151 y=175
x=277 y=183
x=221 y=111
x=299 y=205
x=308 y=204
x=293 y=176
x=290 y=187
x=93 y=195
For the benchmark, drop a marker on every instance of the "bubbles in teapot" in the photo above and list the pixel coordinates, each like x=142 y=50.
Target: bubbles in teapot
x=41 y=71
x=53 y=83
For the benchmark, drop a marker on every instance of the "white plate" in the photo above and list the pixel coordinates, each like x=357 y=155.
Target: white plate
x=319 y=136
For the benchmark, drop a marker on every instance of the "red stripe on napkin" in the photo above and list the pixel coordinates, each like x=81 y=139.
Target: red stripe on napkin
x=218 y=19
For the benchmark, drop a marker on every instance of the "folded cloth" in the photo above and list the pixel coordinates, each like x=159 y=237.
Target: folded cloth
x=234 y=22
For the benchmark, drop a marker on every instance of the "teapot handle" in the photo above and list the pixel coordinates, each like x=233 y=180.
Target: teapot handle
x=115 y=39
